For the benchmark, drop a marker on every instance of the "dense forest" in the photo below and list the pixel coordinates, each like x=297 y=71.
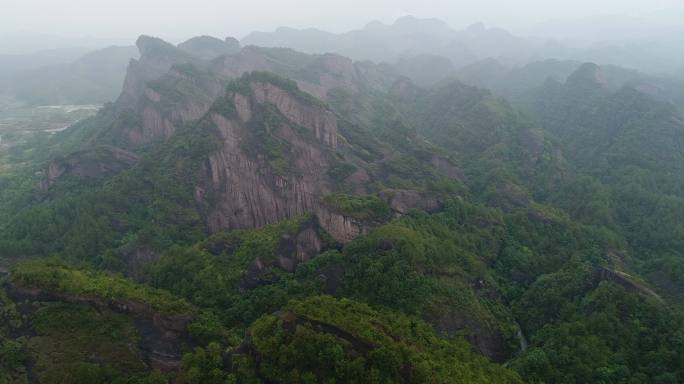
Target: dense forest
x=261 y=215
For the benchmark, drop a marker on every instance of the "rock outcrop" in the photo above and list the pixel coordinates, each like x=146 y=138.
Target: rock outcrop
x=156 y=59
x=292 y=249
x=171 y=86
x=485 y=337
x=98 y=162
x=208 y=48
x=401 y=202
x=342 y=228
x=626 y=281
x=161 y=335
x=254 y=186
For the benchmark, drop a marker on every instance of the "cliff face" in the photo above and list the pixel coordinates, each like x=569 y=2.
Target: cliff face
x=170 y=86
x=156 y=58
x=254 y=186
x=95 y=163
x=281 y=149
x=165 y=89
x=161 y=337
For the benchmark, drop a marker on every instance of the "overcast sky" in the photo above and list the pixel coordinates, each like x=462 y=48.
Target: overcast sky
x=176 y=19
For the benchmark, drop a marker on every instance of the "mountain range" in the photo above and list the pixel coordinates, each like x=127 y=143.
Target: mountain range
x=246 y=213
x=409 y=44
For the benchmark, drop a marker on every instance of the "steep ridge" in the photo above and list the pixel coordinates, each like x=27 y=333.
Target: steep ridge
x=277 y=149
x=207 y=47
x=165 y=89
x=443 y=205
x=508 y=158
x=170 y=86
x=250 y=183
x=406 y=37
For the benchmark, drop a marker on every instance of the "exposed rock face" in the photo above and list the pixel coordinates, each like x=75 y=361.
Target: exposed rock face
x=93 y=163
x=161 y=335
x=403 y=201
x=483 y=336
x=587 y=77
x=250 y=191
x=157 y=115
x=625 y=281
x=166 y=88
x=358 y=181
x=321 y=122
x=256 y=178
x=446 y=168
x=292 y=250
x=342 y=228
x=170 y=86
x=156 y=58
x=137 y=257
x=303 y=246
x=331 y=71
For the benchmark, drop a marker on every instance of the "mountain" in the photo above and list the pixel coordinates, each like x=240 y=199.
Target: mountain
x=207 y=47
x=26 y=43
x=513 y=82
x=256 y=214
x=407 y=36
x=94 y=78
x=629 y=145
x=12 y=63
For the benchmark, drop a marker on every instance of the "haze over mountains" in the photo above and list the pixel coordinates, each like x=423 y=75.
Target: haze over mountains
x=404 y=203
x=410 y=44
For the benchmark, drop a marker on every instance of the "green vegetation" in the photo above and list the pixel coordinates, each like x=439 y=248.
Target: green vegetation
x=542 y=220
x=358 y=207
x=211 y=274
x=57 y=277
x=70 y=339
x=242 y=86
x=322 y=339
x=152 y=202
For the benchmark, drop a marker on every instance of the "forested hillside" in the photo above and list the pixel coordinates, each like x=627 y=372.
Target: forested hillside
x=261 y=215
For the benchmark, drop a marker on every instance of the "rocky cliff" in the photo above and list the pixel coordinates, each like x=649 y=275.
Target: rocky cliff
x=170 y=86
x=161 y=336
x=282 y=144
x=275 y=156
x=98 y=162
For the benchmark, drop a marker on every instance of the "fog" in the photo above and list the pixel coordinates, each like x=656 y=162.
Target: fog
x=29 y=25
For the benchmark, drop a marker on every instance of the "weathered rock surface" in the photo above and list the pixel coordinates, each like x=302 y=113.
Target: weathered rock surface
x=486 y=338
x=626 y=281
x=156 y=58
x=162 y=336
x=342 y=228
x=291 y=251
x=97 y=162
x=137 y=257
x=250 y=191
x=402 y=202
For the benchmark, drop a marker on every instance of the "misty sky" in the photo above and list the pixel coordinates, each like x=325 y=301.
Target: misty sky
x=178 y=19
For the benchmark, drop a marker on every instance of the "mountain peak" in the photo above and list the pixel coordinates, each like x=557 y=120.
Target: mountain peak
x=476 y=28
x=418 y=25
x=209 y=47
x=587 y=76
x=154 y=46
